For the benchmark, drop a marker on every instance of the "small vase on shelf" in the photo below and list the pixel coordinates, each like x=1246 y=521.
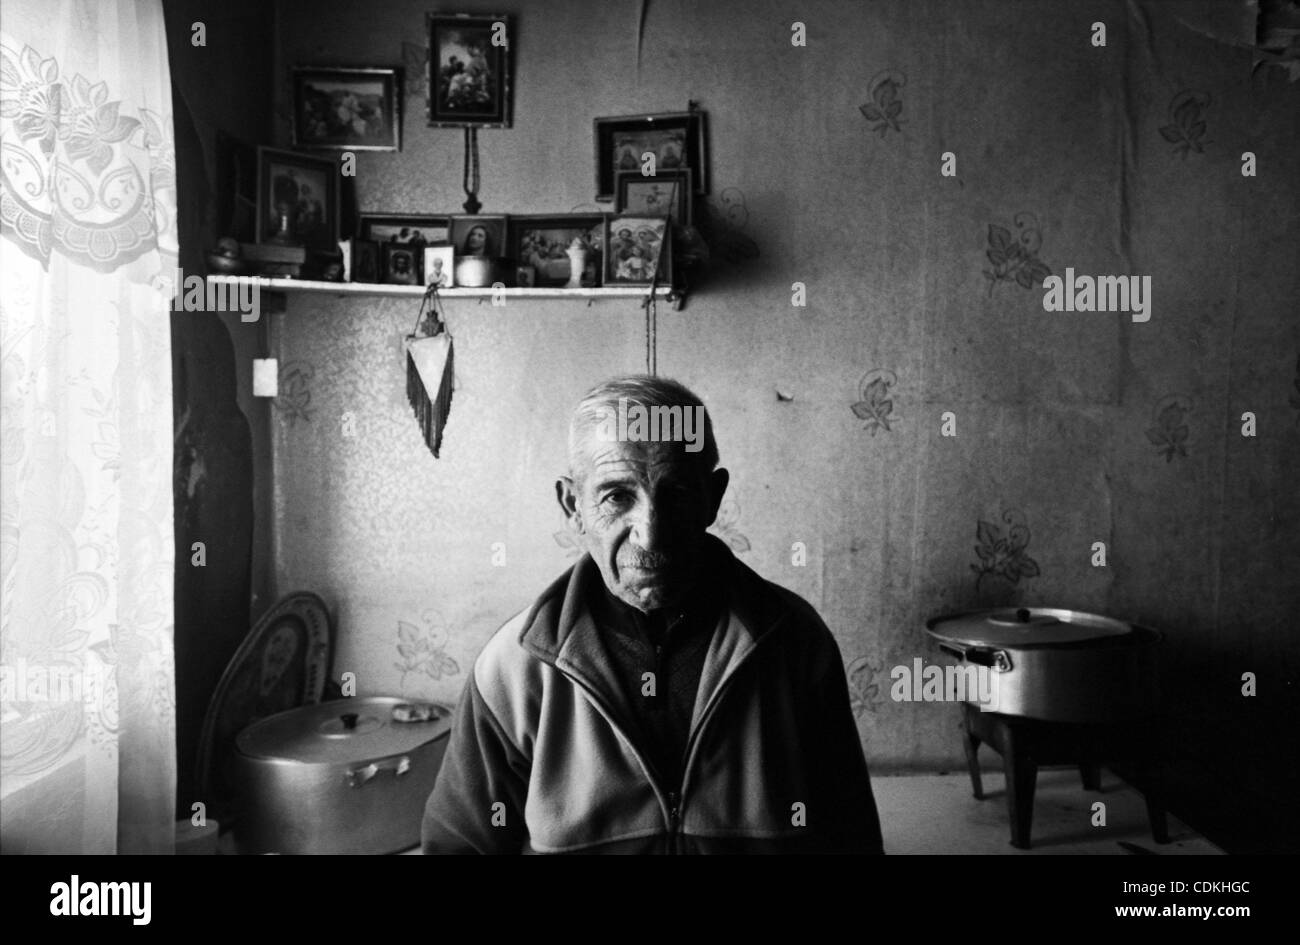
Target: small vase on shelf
x=284 y=236
x=577 y=253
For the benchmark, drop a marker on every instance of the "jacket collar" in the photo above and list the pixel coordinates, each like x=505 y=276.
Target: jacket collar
x=559 y=627
x=560 y=631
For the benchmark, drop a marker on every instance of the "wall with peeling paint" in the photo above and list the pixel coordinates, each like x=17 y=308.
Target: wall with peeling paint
x=921 y=299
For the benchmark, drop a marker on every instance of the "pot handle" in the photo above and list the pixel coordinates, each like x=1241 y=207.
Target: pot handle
x=980 y=655
x=360 y=775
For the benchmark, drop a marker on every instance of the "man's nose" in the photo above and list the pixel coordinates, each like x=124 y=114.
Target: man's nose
x=650 y=528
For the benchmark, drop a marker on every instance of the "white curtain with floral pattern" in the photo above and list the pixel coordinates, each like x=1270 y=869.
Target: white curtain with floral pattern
x=87 y=238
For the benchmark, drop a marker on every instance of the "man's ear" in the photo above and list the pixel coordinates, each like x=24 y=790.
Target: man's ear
x=566 y=493
x=717 y=484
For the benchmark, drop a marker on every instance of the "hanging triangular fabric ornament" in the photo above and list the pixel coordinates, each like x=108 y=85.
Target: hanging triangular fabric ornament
x=429 y=371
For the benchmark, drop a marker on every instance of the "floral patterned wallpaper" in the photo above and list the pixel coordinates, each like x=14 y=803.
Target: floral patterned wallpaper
x=937 y=440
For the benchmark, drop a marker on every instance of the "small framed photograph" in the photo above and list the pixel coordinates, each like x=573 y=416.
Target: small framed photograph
x=297 y=199
x=637 y=251
x=470 y=70
x=477 y=235
x=403 y=228
x=666 y=193
x=402 y=263
x=542 y=242
x=676 y=140
x=365 y=261
x=347 y=109
x=440 y=266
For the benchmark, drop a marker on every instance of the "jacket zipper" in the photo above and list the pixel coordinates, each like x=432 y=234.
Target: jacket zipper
x=674 y=818
x=675 y=797
x=660 y=682
x=671 y=802
x=692 y=743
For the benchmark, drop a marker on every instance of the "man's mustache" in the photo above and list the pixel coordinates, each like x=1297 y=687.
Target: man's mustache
x=647 y=560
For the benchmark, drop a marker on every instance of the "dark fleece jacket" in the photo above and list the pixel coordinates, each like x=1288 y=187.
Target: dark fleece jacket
x=544 y=755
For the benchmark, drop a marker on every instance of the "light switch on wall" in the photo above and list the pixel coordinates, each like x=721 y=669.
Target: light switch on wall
x=266 y=377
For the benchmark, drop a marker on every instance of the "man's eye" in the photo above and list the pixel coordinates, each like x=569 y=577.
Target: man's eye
x=617 y=498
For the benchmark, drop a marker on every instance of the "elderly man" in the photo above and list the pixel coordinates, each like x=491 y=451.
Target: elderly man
x=659 y=696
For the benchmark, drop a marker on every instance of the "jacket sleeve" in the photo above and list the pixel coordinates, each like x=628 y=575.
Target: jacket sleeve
x=477 y=804
x=846 y=807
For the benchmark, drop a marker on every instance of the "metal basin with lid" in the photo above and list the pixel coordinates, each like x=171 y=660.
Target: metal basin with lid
x=1054 y=664
x=338 y=777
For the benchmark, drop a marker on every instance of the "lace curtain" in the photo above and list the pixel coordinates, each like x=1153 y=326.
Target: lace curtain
x=87 y=250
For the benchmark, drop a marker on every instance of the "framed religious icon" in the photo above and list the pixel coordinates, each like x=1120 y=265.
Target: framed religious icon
x=478 y=235
x=637 y=251
x=665 y=193
x=646 y=143
x=470 y=70
x=297 y=199
x=403 y=264
x=366 y=265
x=542 y=242
x=440 y=266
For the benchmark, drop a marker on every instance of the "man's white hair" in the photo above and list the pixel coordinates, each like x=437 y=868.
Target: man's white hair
x=642 y=390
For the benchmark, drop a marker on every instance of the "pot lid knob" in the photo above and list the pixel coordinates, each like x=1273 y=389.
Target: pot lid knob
x=1022 y=615
x=349 y=720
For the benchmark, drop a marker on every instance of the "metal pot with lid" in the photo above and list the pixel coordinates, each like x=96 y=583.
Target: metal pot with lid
x=349 y=776
x=1054 y=664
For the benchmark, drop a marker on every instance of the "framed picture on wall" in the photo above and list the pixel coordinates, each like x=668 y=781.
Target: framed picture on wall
x=440 y=266
x=347 y=109
x=637 y=251
x=297 y=199
x=666 y=193
x=541 y=242
x=403 y=228
x=365 y=261
x=403 y=263
x=470 y=66
x=675 y=140
x=478 y=235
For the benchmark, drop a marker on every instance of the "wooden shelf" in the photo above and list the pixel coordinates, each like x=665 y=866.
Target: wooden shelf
x=366 y=289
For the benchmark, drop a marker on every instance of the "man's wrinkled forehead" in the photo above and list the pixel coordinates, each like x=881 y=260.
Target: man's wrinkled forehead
x=642 y=463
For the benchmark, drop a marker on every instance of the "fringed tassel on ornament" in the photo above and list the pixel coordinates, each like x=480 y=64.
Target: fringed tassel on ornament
x=430 y=370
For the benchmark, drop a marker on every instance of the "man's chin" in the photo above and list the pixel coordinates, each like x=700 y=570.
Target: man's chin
x=651 y=593
x=653 y=598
